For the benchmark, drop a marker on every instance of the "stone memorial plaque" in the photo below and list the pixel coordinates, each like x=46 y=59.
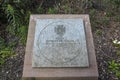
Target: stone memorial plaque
x=60 y=47
x=60 y=43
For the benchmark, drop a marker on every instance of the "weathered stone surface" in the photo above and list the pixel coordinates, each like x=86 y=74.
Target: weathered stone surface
x=60 y=43
x=62 y=73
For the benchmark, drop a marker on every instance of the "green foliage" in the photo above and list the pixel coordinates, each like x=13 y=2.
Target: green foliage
x=17 y=22
x=23 y=34
x=92 y=12
x=99 y=32
x=118 y=74
x=17 y=17
x=2 y=45
x=17 y=13
x=88 y=4
x=115 y=68
x=39 y=10
x=12 y=44
x=105 y=20
x=5 y=50
x=4 y=54
x=66 y=8
x=109 y=14
x=118 y=53
x=116 y=3
x=12 y=18
x=52 y=11
x=117 y=18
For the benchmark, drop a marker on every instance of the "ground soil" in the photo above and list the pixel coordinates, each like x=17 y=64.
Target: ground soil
x=105 y=51
x=103 y=35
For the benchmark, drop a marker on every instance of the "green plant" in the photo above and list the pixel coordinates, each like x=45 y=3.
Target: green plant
x=5 y=52
x=12 y=18
x=12 y=44
x=23 y=34
x=17 y=17
x=115 y=68
x=88 y=4
x=105 y=20
x=52 y=11
x=99 y=32
x=117 y=18
x=66 y=8
x=92 y=12
x=118 y=53
x=2 y=44
x=15 y=14
x=116 y=3
x=39 y=10
x=118 y=74
x=109 y=14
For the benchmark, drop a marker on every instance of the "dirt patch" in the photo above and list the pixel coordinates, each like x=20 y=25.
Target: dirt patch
x=13 y=67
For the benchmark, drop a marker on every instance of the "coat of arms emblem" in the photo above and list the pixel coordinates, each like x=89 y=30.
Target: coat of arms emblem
x=60 y=30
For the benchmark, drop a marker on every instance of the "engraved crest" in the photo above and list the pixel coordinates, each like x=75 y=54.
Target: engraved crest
x=60 y=30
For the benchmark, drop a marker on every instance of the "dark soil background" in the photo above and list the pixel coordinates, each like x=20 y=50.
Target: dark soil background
x=105 y=29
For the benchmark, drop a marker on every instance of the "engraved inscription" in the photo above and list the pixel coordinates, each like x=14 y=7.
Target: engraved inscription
x=58 y=46
x=60 y=43
x=60 y=31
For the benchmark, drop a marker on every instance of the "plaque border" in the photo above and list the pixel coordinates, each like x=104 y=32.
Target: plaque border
x=30 y=73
